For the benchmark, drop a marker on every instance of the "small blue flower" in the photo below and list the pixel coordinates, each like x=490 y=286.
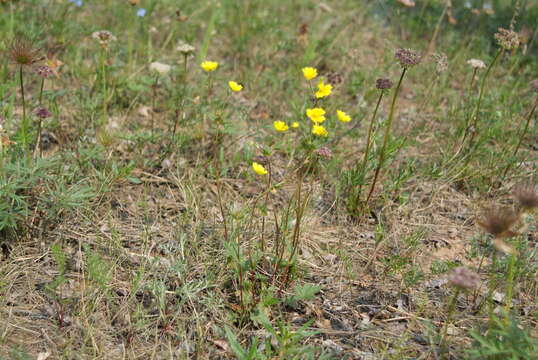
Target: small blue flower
x=141 y=12
x=78 y=3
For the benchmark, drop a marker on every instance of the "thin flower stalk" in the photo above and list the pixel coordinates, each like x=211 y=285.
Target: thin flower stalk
x=450 y=312
x=521 y=136
x=386 y=136
x=476 y=113
x=368 y=143
x=510 y=285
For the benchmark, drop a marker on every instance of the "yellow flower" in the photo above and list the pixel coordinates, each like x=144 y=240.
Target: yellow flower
x=235 y=86
x=323 y=90
x=259 y=169
x=209 y=66
x=280 y=126
x=310 y=73
x=342 y=116
x=295 y=124
x=317 y=115
x=319 y=130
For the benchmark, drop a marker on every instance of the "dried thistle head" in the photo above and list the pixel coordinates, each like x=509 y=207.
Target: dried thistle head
x=527 y=196
x=464 y=278
x=383 y=84
x=498 y=222
x=441 y=62
x=324 y=152
x=44 y=71
x=508 y=39
x=22 y=52
x=43 y=113
x=476 y=63
x=534 y=85
x=407 y=57
x=104 y=37
x=185 y=48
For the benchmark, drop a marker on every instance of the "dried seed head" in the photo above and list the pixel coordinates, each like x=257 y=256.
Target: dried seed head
x=527 y=196
x=104 y=37
x=22 y=52
x=407 y=57
x=464 y=278
x=185 y=48
x=498 y=222
x=441 y=61
x=476 y=63
x=534 y=85
x=42 y=113
x=383 y=84
x=44 y=71
x=507 y=39
x=324 y=152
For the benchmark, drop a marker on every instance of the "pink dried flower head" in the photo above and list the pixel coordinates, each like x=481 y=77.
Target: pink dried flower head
x=527 y=196
x=508 y=39
x=498 y=222
x=383 y=84
x=441 y=61
x=464 y=278
x=44 y=71
x=407 y=57
x=534 y=85
x=324 y=152
x=22 y=52
x=42 y=113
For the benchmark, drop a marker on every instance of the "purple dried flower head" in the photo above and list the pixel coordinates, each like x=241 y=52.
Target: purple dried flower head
x=383 y=84
x=527 y=196
x=441 y=61
x=44 y=71
x=324 y=152
x=464 y=278
x=534 y=85
x=507 y=39
x=407 y=57
x=42 y=113
x=498 y=222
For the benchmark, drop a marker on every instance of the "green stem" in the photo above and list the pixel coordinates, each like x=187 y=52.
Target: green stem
x=41 y=91
x=522 y=136
x=476 y=113
x=387 y=133
x=103 y=73
x=368 y=140
x=509 y=286
x=491 y=287
x=451 y=308
x=154 y=95
x=23 y=124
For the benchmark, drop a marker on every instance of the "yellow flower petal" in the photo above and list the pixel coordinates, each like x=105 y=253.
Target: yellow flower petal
x=310 y=73
x=209 y=66
x=280 y=126
x=319 y=130
x=342 y=116
x=235 y=87
x=259 y=169
x=323 y=90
